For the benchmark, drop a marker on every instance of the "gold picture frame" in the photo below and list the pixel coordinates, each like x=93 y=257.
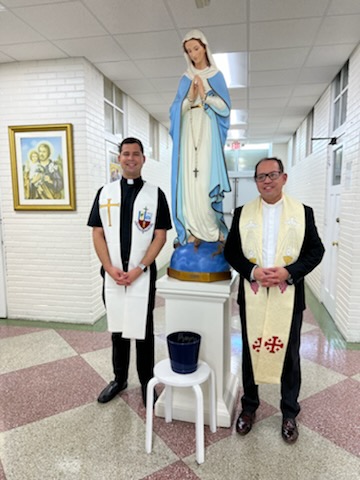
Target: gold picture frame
x=42 y=167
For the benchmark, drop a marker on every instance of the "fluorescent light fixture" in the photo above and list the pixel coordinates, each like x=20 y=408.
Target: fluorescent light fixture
x=236 y=134
x=238 y=117
x=234 y=68
x=202 y=3
x=2 y=8
x=256 y=146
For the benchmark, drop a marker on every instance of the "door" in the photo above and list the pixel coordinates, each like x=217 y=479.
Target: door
x=332 y=230
x=243 y=189
x=3 y=309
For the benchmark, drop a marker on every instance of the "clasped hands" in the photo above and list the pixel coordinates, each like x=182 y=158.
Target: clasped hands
x=197 y=88
x=270 y=277
x=124 y=278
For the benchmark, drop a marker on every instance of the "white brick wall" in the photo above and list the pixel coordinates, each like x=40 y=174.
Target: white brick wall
x=348 y=292
x=52 y=272
x=308 y=182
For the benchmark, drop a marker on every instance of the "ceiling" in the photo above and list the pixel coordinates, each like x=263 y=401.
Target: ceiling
x=294 y=47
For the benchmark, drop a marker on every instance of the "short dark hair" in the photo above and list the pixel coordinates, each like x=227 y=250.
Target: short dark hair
x=130 y=140
x=266 y=159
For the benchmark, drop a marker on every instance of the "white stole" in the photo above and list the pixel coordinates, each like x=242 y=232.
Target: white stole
x=269 y=310
x=126 y=307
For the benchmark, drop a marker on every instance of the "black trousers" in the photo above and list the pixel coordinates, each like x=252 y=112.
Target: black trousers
x=145 y=349
x=290 y=378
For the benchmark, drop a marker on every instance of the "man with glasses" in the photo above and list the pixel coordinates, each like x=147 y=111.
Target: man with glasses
x=273 y=243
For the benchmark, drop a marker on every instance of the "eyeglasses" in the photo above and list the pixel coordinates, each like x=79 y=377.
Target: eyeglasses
x=272 y=175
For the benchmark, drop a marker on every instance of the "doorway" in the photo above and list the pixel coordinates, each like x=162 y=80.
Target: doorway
x=332 y=229
x=243 y=189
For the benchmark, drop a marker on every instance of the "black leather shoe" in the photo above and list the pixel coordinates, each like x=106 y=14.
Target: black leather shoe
x=289 y=430
x=111 y=391
x=245 y=422
x=144 y=394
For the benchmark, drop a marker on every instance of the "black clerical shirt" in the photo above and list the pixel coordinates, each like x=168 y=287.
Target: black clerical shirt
x=129 y=191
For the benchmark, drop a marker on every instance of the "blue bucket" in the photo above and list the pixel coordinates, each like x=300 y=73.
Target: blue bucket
x=184 y=351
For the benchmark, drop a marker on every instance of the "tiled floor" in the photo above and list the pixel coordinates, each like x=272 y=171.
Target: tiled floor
x=51 y=426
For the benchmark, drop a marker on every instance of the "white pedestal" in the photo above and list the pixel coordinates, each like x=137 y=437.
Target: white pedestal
x=204 y=308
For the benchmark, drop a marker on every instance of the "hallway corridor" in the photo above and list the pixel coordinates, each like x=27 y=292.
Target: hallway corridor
x=52 y=427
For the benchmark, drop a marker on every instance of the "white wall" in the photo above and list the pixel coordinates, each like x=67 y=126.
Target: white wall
x=348 y=291
x=308 y=182
x=52 y=272
x=49 y=264
x=307 y=177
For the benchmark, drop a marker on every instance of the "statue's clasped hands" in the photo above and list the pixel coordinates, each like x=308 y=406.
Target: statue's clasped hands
x=197 y=88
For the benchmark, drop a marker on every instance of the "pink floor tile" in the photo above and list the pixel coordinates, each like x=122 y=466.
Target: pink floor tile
x=335 y=414
x=37 y=392
x=175 y=471
x=308 y=317
x=133 y=398
x=315 y=347
x=6 y=332
x=83 y=342
x=2 y=474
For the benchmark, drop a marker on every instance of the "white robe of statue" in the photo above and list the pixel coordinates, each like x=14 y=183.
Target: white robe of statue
x=196 y=132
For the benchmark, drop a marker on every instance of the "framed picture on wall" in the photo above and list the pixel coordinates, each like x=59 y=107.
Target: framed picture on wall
x=112 y=160
x=42 y=167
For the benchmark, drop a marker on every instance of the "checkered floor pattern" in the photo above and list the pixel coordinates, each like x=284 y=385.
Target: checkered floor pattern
x=52 y=427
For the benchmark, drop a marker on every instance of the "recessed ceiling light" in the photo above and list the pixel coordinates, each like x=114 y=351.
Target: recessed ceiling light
x=234 y=68
x=202 y=3
x=2 y=8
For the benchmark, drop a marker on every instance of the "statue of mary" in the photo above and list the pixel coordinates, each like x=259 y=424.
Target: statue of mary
x=199 y=117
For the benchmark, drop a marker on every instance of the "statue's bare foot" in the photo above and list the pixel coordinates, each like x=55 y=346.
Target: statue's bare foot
x=219 y=250
x=196 y=241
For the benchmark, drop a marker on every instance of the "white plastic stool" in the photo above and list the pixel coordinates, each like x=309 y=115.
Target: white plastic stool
x=164 y=374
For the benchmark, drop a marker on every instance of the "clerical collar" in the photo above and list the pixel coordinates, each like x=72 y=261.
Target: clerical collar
x=131 y=181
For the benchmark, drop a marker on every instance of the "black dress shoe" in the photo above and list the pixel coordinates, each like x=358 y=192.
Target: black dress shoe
x=111 y=391
x=289 y=430
x=245 y=422
x=144 y=394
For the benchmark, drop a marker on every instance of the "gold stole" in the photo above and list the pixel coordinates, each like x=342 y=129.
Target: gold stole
x=269 y=310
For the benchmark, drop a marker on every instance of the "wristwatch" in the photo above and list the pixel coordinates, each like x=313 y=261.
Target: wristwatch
x=290 y=280
x=143 y=267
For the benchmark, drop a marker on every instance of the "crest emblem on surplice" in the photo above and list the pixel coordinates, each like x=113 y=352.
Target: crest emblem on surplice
x=144 y=219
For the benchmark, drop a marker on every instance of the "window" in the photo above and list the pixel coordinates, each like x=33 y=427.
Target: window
x=114 y=109
x=154 y=151
x=340 y=86
x=337 y=165
x=294 y=149
x=309 y=132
